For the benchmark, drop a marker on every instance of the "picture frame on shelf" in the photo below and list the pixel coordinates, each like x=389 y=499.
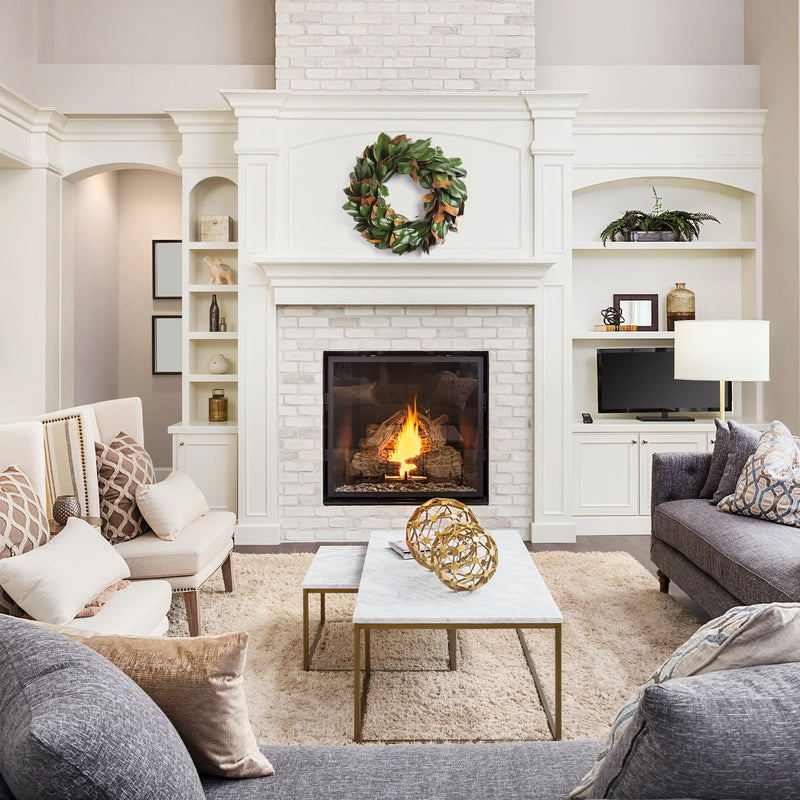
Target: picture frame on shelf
x=166 y=344
x=640 y=310
x=167 y=269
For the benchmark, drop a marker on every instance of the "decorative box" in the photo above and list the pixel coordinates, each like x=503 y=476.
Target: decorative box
x=216 y=229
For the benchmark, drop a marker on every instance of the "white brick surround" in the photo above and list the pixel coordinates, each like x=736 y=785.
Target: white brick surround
x=402 y=45
x=304 y=332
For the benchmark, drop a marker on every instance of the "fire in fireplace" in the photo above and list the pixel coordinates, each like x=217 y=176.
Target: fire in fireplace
x=401 y=427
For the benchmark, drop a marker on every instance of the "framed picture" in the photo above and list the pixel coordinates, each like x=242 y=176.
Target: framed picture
x=639 y=309
x=166 y=345
x=166 y=269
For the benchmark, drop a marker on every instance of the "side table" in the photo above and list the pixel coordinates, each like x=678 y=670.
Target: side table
x=56 y=528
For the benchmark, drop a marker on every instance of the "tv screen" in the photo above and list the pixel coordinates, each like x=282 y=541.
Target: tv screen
x=631 y=379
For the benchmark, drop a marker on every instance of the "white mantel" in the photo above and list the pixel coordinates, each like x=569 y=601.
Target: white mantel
x=297 y=248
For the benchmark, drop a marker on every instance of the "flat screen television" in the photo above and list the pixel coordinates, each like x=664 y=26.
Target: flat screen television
x=642 y=379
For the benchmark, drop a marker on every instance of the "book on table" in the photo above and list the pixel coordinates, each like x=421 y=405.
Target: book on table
x=401 y=547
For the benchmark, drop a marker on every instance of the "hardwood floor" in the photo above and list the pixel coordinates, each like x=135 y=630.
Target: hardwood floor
x=637 y=546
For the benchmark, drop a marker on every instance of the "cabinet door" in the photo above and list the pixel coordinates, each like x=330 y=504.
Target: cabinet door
x=664 y=443
x=606 y=474
x=210 y=461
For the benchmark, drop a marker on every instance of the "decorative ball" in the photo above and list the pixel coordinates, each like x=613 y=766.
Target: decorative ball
x=432 y=516
x=64 y=507
x=464 y=556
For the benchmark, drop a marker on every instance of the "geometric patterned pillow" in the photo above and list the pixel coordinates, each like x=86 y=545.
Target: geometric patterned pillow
x=769 y=486
x=122 y=466
x=23 y=523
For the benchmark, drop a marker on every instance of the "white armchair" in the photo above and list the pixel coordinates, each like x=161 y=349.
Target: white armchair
x=202 y=548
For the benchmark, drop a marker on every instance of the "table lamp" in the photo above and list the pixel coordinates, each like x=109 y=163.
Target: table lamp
x=722 y=350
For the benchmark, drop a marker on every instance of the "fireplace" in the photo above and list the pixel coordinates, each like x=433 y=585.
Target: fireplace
x=402 y=427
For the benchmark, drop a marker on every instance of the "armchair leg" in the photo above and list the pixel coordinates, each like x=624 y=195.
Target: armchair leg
x=663 y=582
x=192 y=612
x=227 y=573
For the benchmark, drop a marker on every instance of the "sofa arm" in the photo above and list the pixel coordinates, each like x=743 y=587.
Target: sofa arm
x=678 y=476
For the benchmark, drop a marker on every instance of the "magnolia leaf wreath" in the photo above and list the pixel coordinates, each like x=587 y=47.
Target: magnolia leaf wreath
x=367 y=194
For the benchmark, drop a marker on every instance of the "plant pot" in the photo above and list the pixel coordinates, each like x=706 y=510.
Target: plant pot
x=655 y=236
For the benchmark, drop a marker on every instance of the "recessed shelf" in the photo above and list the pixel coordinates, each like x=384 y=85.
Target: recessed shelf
x=215 y=336
x=213 y=245
x=673 y=247
x=578 y=335
x=224 y=378
x=211 y=288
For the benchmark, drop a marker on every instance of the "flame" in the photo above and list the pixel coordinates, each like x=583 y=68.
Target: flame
x=408 y=443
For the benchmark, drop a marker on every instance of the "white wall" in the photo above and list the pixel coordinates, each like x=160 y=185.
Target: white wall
x=149 y=208
x=15 y=44
x=771 y=40
x=95 y=302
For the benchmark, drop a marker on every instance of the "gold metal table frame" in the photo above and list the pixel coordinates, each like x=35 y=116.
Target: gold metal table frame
x=360 y=691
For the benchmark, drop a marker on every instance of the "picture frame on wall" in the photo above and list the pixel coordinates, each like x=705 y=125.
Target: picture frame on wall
x=166 y=344
x=167 y=269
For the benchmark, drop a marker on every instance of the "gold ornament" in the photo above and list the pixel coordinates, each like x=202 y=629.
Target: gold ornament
x=464 y=556
x=432 y=516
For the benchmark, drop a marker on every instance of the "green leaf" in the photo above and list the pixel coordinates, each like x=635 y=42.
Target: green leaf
x=404 y=167
x=364 y=211
x=384 y=190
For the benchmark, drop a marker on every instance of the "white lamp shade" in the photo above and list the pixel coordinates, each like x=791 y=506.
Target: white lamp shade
x=722 y=350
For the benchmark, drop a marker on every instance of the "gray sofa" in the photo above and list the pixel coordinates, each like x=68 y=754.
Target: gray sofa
x=720 y=560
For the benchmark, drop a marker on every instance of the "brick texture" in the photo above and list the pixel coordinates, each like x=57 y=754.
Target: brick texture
x=404 y=45
x=305 y=332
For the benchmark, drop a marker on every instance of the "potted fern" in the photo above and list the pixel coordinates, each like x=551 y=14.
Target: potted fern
x=656 y=226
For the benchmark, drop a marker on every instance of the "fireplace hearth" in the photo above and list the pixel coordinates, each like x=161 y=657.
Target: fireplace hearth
x=402 y=427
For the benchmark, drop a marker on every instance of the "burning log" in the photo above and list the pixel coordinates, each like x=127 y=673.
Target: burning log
x=429 y=430
x=444 y=463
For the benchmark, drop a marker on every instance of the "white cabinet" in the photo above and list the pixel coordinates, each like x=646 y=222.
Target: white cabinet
x=209 y=459
x=612 y=468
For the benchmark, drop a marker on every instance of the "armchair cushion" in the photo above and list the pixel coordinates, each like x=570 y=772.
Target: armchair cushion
x=55 y=581
x=170 y=505
x=122 y=466
x=196 y=546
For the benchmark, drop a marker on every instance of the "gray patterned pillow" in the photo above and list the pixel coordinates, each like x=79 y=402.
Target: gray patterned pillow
x=727 y=734
x=122 y=466
x=73 y=726
x=23 y=523
x=719 y=458
x=742 y=444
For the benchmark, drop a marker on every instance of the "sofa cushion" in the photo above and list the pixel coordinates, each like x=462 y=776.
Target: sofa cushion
x=755 y=560
x=198 y=683
x=769 y=486
x=501 y=771
x=54 y=582
x=72 y=725
x=741 y=445
x=742 y=637
x=151 y=557
x=719 y=458
x=170 y=505
x=122 y=466
x=727 y=734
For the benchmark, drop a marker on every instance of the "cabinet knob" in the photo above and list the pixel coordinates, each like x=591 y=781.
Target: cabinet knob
x=644 y=441
x=713 y=441
x=633 y=441
x=180 y=444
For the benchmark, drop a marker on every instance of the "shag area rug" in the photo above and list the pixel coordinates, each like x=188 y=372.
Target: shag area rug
x=617 y=629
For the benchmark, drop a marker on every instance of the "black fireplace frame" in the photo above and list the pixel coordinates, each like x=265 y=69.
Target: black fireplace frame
x=479 y=497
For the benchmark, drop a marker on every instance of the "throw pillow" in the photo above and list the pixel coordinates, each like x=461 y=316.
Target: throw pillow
x=23 y=524
x=122 y=466
x=769 y=486
x=450 y=390
x=729 y=734
x=741 y=445
x=744 y=636
x=170 y=505
x=73 y=726
x=719 y=458
x=94 y=607
x=54 y=582
x=198 y=682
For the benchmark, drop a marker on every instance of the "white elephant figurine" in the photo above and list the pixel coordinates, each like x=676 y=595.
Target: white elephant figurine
x=221 y=274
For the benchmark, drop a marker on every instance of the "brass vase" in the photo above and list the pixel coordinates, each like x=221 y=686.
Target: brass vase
x=680 y=305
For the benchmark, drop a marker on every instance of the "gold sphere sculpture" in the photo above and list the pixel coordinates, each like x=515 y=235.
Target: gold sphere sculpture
x=432 y=516
x=464 y=556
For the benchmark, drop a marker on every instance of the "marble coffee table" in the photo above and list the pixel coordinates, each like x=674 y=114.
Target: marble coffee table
x=398 y=594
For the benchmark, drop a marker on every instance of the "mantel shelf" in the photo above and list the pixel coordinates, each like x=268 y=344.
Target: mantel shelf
x=673 y=247
x=579 y=335
x=213 y=245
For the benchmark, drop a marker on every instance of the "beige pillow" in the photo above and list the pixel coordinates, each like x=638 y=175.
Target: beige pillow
x=55 y=581
x=198 y=683
x=170 y=505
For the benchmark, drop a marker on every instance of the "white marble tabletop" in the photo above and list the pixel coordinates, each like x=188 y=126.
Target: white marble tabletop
x=336 y=567
x=397 y=591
